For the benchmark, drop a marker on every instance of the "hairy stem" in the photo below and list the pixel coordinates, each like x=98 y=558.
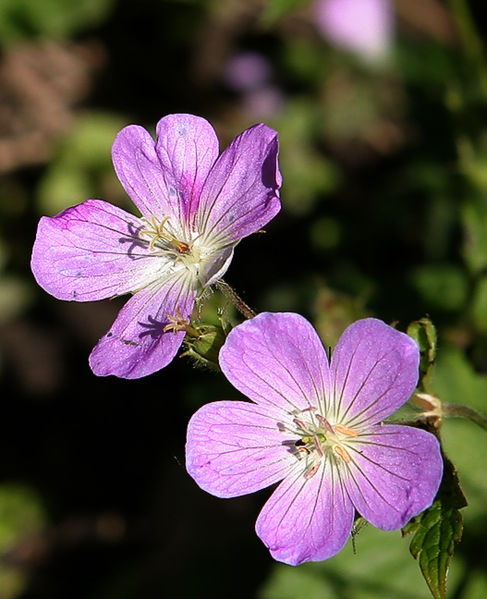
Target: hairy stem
x=236 y=300
x=457 y=411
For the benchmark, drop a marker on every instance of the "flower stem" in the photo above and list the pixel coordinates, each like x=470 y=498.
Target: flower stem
x=457 y=411
x=236 y=300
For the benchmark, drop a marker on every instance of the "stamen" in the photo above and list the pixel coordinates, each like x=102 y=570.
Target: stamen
x=343 y=453
x=318 y=446
x=345 y=430
x=310 y=409
x=312 y=471
x=157 y=233
x=324 y=422
x=300 y=423
x=179 y=323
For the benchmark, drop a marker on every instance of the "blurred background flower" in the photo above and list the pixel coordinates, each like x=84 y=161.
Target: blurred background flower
x=365 y=27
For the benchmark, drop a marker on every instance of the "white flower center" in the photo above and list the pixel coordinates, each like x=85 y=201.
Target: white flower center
x=320 y=439
x=180 y=249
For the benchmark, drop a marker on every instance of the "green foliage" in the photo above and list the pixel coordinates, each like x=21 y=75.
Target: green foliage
x=21 y=516
x=474 y=216
x=442 y=286
x=379 y=570
x=276 y=9
x=57 y=18
x=82 y=163
x=436 y=531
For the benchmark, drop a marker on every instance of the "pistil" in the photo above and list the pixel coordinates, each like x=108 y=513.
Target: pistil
x=320 y=438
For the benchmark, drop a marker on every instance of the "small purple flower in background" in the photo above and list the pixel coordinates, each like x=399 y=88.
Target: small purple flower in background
x=365 y=27
x=314 y=425
x=250 y=74
x=195 y=205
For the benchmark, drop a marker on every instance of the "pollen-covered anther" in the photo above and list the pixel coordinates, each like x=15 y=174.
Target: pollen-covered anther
x=312 y=471
x=343 y=453
x=344 y=430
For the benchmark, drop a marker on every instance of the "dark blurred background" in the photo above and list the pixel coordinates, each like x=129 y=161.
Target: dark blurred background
x=381 y=107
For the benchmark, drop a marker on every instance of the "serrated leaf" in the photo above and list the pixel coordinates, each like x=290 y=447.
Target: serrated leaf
x=437 y=530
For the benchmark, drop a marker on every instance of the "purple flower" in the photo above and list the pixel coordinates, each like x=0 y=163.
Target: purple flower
x=195 y=208
x=362 y=26
x=315 y=426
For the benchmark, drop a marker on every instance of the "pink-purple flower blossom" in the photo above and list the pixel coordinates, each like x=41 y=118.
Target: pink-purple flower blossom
x=316 y=426
x=195 y=207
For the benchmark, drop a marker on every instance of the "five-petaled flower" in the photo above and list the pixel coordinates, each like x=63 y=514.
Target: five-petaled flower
x=315 y=425
x=195 y=208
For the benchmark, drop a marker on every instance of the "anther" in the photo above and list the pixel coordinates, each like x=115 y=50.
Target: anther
x=324 y=422
x=312 y=471
x=343 y=453
x=344 y=430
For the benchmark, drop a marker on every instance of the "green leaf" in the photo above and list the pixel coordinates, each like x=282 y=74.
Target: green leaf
x=437 y=530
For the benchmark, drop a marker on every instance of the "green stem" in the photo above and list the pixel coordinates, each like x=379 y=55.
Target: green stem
x=456 y=411
x=235 y=299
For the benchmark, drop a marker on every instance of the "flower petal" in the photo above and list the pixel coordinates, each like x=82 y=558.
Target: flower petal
x=91 y=251
x=394 y=474
x=165 y=178
x=306 y=519
x=278 y=360
x=137 y=344
x=241 y=194
x=374 y=370
x=187 y=147
x=234 y=448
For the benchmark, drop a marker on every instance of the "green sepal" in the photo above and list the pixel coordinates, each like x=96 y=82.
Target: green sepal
x=437 y=530
x=204 y=344
x=423 y=331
